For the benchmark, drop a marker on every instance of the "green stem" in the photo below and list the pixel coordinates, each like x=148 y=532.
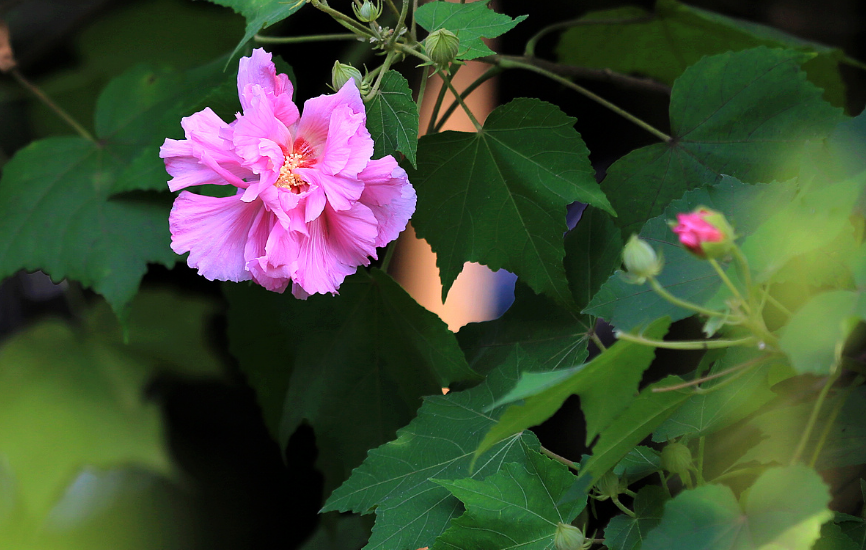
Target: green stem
x=412 y=32
x=813 y=417
x=389 y=253
x=422 y=88
x=466 y=109
x=776 y=303
x=837 y=408
x=686 y=344
x=299 y=39
x=756 y=470
x=701 y=380
x=660 y=290
x=665 y=483
x=594 y=337
x=342 y=18
x=382 y=70
x=725 y=279
x=393 y=7
x=490 y=73
x=550 y=454
x=700 y=461
x=744 y=267
x=511 y=63
x=82 y=131
x=622 y=506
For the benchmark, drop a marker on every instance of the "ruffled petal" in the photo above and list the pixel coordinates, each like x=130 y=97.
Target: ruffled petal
x=267 y=254
x=258 y=136
x=315 y=121
x=259 y=69
x=349 y=145
x=215 y=232
x=390 y=196
x=338 y=243
x=341 y=191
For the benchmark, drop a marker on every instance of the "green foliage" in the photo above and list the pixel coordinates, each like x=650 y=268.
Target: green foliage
x=470 y=22
x=396 y=479
x=593 y=250
x=664 y=42
x=784 y=508
x=762 y=104
x=603 y=395
x=626 y=305
x=638 y=463
x=628 y=533
x=358 y=373
x=498 y=196
x=260 y=14
x=392 y=118
x=516 y=506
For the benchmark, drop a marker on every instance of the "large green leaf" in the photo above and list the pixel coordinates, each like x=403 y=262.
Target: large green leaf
x=626 y=305
x=706 y=413
x=745 y=114
x=58 y=194
x=396 y=478
x=469 y=21
x=638 y=463
x=357 y=373
x=593 y=250
x=260 y=14
x=628 y=533
x=392 y=118
x=664 y=42
x=606 y=385
x=783 y=509
x=555 y=337
x=498 y=196
x=515 y=507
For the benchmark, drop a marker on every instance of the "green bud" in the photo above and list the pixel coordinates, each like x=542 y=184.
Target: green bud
x=367 y=12
x=342 y=73
x=640 y=260
x=568 y=537
x=677 y=459
x=442 y=46
x=608 y=486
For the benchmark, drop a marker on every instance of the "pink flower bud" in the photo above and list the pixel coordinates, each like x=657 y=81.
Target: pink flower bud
x=704 y=232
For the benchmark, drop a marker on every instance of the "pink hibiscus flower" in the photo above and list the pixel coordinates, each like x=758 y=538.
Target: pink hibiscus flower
x=311 y=205
x=704 y=232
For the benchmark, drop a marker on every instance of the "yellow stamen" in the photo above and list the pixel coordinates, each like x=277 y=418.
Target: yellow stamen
x=288 y=178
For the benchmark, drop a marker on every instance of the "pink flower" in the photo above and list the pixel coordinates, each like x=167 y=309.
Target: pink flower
x=704 y=232
x=311 y=205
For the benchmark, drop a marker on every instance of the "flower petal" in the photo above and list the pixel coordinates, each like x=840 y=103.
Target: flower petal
x=215 y=232
x=388 y=193
x=342 y=192
x=315 y=121
x=259 y=69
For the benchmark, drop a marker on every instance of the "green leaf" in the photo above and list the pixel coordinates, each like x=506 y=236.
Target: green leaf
x=813 y=220
x=67 y=402
x=745 y=206
x=515 y=507
x=744 y=114
x=815 y=334
x=638 y=463
x=663 y=43
x=593 y=250
x=498 y=196
x=396 y=478
x=606 y=385
x=832 y=538
x=260 y=14
x=845 y=444
x=470 y=22
x=628 y=533
x=365 y=359
x=704 y=414
x=554 y=337
x=784 y=509
x=392 y=118
x=854 y=528
x=857 y=264
x=345 y=533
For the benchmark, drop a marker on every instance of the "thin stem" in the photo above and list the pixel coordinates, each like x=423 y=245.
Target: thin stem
x=414 y=11
x=300 y=39
x=466 y=109
x=422 y=88
x=342 y=18
x=490 y=73
x=436 y=106
x=813 y=417
x=660 y=290
x=512 y=63
x=382 y=70
x=686 y=344
x=776 y=303
x=756 y=470
x=744 y=266
x=699 y=471
x=393 y=7
x=550 y=454
x=698 y=381
x=837 y=408
x=389 y=253
x=725 y=279
x=530 y=45
x=665 y=483
x=82 y=131
x=594 y=337
x=622 y=506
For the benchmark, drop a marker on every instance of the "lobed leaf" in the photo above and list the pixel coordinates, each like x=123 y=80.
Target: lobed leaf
x=628 y=533
x=392 y=118
x=260 y=14
x=470 y=22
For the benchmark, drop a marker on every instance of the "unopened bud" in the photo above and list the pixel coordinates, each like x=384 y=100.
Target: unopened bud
x=640 y=260
x=568 y=537
x=608 y=486
x=704 y=232
x=367 y=12
x=342 y=73
x=677 y=459
x=442 y=46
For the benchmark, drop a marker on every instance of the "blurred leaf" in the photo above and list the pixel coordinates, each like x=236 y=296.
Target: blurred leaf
x=593 y=250
x=663 y=43
x=357 y=373
x=704 y=414
x=470 y=22
x=857 y=263
x=606 y=385
x=638 y=463
x=67 y=402
x=784 y=509
x=396 y=479
x=392 y=118
x=832 y=538
x=346 y=533
x=854 y=528
x=515 y=507
x=745 y=206
x=498 y=196
x=553 y=336
x=260 y=14
x=744 y=114
x=628 y=533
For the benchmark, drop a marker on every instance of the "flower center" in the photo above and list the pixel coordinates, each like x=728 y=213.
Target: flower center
x=288 y=179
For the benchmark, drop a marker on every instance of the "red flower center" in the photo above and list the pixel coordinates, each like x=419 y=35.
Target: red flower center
x=300 y=158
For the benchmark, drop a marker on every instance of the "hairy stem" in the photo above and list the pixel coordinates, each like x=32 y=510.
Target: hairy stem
x=550 y=454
